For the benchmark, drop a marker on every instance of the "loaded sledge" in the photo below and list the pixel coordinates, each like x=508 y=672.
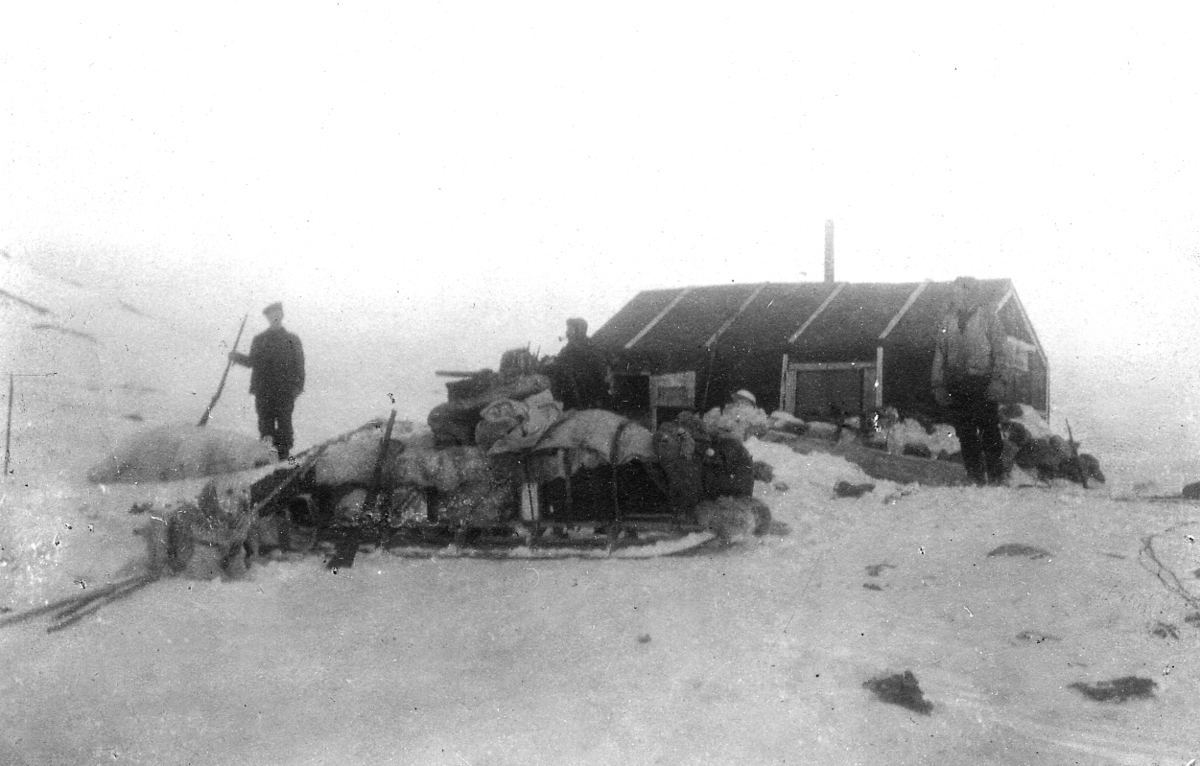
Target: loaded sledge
x=504 y=472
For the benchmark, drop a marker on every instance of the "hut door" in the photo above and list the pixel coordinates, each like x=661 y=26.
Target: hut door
x=820 y=391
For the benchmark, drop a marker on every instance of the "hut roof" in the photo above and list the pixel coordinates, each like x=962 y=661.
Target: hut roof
x=815 y=321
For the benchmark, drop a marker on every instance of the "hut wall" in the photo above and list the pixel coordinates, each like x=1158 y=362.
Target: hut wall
x=753 y=327
x=906 y=380
x=757 y=373
x=1030 y=386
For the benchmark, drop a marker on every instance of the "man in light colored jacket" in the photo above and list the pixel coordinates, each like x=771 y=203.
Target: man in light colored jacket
x=968 y=379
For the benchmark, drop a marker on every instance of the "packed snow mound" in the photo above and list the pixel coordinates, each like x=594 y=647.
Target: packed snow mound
x=173 y=452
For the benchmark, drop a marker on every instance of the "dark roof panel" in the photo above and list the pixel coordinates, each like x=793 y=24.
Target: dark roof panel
x=696 y=317
x=633 y=317
x=775 y=314
x=919 y=323
x=852 y=323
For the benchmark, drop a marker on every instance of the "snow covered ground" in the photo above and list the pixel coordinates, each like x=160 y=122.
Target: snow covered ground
x=756 y=654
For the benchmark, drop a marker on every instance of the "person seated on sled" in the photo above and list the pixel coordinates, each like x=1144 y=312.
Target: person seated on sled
x=739 y=418
x=580 y=376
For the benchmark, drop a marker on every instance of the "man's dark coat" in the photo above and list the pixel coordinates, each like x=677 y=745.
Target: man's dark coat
x=277 y=365
x=580 y=376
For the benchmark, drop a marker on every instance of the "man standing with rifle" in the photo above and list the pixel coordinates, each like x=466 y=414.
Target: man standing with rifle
x=276 y=360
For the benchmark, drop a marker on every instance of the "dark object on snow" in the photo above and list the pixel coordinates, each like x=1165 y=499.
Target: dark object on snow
x=675 y=448
x=68 y=611
x=763 y=471
x=1035 y=637
x=871 y=586
x=1117 y=690
x=1164 y=630
x=1051 y=457
x=1088 y=467
x=779 y=528
x=846 y=489
x=1019 y=549
x=727 y=470
x=734 y=517
x=901 y=689
x=1191 y=491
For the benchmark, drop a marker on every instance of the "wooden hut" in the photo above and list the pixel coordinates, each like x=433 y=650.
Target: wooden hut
x=813 y=349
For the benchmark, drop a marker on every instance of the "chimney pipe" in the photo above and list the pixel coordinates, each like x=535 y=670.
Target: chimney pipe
x=829 y=250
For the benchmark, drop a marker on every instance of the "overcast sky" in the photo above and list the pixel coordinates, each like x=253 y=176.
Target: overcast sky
x=518 y=163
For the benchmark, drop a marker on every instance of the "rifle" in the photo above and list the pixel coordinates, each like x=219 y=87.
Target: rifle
x=221 y=386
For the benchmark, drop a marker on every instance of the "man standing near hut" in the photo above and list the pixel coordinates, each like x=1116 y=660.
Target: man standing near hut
x=580 y=375
x=276 y=361
x=967 y=379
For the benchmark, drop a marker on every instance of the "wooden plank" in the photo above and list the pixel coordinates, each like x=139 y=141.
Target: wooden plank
x=822 y=366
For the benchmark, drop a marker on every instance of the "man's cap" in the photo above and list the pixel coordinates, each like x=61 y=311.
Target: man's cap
x=577 y=322
x=275 y=307
x=744 y=394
